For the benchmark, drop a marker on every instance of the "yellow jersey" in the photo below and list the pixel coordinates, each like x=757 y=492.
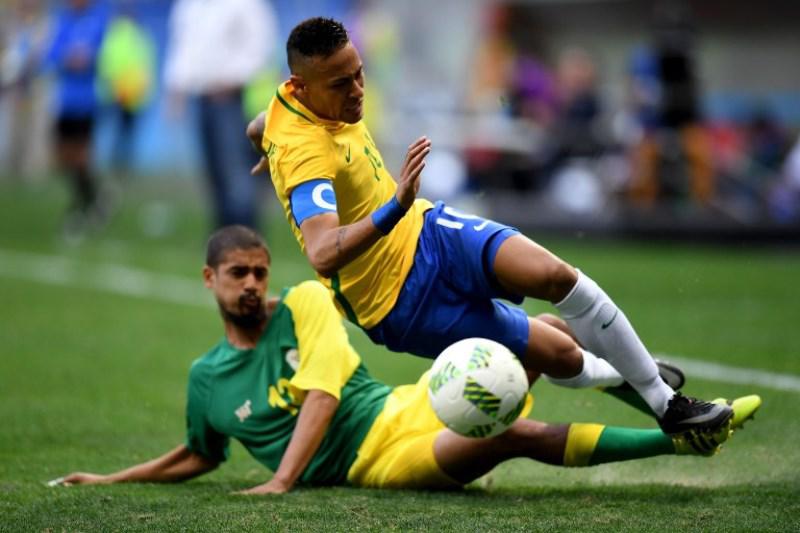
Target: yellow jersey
x=301 y=147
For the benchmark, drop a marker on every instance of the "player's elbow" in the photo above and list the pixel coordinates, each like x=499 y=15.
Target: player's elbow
x=323 y=401
x=255 y=130
x=322 y=265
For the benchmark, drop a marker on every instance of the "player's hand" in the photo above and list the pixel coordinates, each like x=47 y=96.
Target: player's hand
x=273 y=486
x=408 y=184
x=79 y=478
x=261 y=166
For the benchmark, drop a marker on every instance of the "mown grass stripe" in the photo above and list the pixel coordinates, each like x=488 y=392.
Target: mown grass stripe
x=128 y=281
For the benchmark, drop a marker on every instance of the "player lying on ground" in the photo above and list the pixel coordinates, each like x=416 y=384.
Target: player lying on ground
x=286 y=383
x=416 y=276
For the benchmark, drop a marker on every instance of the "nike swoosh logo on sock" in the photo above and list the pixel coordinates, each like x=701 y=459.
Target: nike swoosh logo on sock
x=613 y=318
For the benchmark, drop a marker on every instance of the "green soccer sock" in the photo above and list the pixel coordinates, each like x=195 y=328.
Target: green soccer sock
x=629 y=396
x=593 y=444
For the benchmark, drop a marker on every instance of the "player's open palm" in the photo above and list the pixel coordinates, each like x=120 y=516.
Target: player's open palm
x=82 y=478
x=408 y=184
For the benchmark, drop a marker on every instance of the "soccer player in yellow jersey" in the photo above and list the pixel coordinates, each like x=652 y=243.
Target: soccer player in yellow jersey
x=285 y=382
x=418 y=276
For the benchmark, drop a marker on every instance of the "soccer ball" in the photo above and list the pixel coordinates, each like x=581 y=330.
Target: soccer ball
x=477 y=387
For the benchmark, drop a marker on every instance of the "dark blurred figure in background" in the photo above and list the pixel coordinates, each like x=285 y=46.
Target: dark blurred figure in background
x=127 y=72
x=215 y=48
x=784 y=196
x=24 y=35
x=575 y=128
x=673 y=160
x=78 y=34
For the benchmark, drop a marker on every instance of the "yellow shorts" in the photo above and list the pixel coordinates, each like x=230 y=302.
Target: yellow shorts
x=398 y=450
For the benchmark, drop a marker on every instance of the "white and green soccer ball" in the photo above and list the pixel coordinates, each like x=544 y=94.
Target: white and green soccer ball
x=477 y=387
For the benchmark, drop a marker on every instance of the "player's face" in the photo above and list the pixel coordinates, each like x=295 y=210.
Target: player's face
x=333 y=87
x=240 y=284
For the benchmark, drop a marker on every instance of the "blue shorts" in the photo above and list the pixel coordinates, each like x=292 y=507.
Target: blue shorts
x=451 y=291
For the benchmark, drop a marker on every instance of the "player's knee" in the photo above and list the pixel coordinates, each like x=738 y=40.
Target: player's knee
x=561 y=278
x=520 y=435
x=550 y=319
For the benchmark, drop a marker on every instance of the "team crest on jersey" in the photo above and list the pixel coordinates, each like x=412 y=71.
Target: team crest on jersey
x=293 y=358
x=243 y=412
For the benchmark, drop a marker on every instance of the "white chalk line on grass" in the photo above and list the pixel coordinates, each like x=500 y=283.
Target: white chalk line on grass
x=129 y=281
x=106 y=277
x=730 y=374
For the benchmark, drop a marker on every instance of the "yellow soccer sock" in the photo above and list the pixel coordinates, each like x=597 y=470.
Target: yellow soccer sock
x=592 y=444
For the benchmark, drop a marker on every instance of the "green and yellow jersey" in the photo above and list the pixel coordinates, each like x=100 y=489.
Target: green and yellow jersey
x=254 y=395
x=302 y=147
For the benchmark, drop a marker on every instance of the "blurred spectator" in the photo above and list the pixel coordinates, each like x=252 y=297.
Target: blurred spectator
x=493 y=61
x=24 y=36
x=784 y=196
x=574 y=132
x=518 y=85
x=215 y=48
x=126 y=69
x=673 y=159
x=79 y=30
x=766 y=146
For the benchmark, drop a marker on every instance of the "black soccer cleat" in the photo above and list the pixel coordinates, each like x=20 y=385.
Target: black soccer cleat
x=690 y=414
x=670 y=374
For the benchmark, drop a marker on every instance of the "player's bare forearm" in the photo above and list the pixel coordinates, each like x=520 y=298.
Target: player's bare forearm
x=178 y=464
x=329 y=247
x=312 y=423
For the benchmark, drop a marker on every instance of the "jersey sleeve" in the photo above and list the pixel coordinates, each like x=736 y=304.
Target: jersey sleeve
x=327 y=360
x=307 y=157
x=201 y=438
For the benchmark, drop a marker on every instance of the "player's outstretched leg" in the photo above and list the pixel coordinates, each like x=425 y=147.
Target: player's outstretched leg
x=466 y=459
x=669 y=373
x=524 y=267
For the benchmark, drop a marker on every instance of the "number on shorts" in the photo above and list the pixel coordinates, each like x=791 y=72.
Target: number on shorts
x=455 y=224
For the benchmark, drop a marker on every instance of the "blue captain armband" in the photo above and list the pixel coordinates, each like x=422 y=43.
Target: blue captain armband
x=312 y=198
x=388 y=215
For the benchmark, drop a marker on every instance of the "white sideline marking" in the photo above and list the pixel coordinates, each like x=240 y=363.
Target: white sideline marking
x=730 y=374
x=128 y=281
x=107 y=277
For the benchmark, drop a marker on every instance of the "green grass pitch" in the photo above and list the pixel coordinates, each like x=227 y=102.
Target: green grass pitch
x=94 y=364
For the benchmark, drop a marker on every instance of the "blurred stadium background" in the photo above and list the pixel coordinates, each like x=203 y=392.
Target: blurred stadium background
x=633 y=121
x=618 y=116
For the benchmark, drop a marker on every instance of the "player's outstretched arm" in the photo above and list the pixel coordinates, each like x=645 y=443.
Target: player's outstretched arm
x=330 y=246
x=178 y=464
x=312 y=423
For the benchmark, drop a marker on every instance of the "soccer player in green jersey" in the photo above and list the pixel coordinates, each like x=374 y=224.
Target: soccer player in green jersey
x=286 y=383
x=417 y=277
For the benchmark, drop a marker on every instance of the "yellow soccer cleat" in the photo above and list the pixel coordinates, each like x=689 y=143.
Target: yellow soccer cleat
x=744 y=408
x=703 y=443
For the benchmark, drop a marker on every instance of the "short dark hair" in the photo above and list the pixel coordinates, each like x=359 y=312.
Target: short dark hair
x=230 y=238
x=318 y=36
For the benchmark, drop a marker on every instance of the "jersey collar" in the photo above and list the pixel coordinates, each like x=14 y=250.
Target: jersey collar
x=285 y=95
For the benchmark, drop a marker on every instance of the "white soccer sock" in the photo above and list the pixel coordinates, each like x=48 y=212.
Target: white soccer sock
x=602 y=327
x=596 y=372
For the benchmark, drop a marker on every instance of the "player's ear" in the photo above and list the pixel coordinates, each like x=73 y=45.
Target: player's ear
x=299 y=84
x=208 y=276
